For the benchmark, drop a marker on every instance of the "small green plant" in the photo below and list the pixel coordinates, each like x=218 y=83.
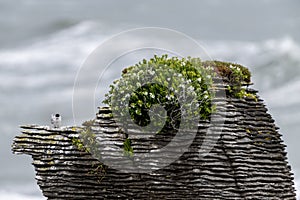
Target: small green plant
x=86 y=142
x=99 y=170
x=128 y=150
x=87 y=139
x=234 y=73
x=78 y=143
x=237 y=76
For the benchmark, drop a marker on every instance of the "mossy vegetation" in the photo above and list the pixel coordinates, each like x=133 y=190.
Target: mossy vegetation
x=260 y=137
x=79 y=144
x=87 y=140
x=99 y=170
x=142 y=99
x=235 y=75
x=128 y=150
x=87 y=143
x=199 y=74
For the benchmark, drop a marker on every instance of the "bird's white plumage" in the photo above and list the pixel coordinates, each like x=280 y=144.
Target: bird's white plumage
x=56 y=120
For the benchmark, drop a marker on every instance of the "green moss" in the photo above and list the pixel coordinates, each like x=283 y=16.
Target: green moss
x=234 y=73
x=128 y=150
x=87 y=143
x=237 y=76
x=78 y=143
x=87 y=139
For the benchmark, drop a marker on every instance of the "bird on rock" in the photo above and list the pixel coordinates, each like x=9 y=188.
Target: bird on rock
x=56 y=120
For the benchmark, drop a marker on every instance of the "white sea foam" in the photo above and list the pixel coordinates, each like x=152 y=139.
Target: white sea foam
x=47 y=67
x=17 y=191
x=67 y=47
x=250 y=51
x=62 y=53
x=297 y=185
x=52 y=62
x=274 y=95
x=275 y=65
x=15 y=196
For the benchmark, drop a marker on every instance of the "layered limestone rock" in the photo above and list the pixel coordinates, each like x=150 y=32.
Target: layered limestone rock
x=110 y=157
x=248 y=161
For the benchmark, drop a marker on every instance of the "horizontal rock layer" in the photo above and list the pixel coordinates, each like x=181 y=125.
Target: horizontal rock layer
x=247 y=161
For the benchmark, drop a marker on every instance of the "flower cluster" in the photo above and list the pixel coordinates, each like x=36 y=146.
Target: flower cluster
x=172 y=83
x=237 y=76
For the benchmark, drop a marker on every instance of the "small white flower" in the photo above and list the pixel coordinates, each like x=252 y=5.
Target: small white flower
x=191 y=88
x=151 y=72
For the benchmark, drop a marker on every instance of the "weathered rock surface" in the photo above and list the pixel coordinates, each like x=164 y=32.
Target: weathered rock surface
x=248 y=161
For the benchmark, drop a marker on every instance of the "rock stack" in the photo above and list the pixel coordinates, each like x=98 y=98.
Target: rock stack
x=248 y=161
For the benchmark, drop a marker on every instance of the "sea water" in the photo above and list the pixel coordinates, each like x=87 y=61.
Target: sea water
x=44 y=44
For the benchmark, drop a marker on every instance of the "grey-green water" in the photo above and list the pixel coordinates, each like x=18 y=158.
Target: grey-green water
x=44 y=43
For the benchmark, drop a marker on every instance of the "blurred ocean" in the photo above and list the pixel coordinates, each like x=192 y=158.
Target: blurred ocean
x=43 y=44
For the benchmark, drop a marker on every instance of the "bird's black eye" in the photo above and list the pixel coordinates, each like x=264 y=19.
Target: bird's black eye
x=57 y=115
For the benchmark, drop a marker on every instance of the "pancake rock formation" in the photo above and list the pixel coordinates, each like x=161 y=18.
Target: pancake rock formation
x=248 y=161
